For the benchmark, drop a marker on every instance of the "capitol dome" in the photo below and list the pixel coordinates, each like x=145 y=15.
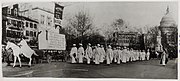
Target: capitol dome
x=167 y=20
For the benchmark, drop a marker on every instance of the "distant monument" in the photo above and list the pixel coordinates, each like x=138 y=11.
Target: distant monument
x=159 y=44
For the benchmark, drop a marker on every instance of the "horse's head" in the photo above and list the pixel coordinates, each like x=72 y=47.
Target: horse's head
x=8 y=45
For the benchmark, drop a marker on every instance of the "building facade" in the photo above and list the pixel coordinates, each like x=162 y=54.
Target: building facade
x=16 y=26
x=49 y=18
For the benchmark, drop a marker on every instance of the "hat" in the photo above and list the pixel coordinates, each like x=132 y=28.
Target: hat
x=80 y=44
x=89 y=44
x=74 y=44
x=98 y=44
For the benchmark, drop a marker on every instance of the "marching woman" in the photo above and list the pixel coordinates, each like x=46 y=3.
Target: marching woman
x=164 y=57
x=143 y=55
x=102 y=56
x=140 y=55
x=88 y=53
x=80 y=53
x=109 y=53
x=96 y=55
x=147 y=54
x=124 y=53
x=119 y=55
x=73 y=53
x=115 y=52
x=127 y=55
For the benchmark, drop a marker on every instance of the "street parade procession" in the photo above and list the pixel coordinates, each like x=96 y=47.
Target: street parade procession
x=90 y=40
x=98 y=55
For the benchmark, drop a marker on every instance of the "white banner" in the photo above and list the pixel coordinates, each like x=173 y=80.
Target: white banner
x=54 y=41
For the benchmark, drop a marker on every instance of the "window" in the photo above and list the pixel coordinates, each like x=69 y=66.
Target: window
x=9 y=11
x=22 y=23
x=31 y=25
x=8 y=22
x=14 y=22
x=8 y=33
x=42 y=19
x=27 y=24
x=34 y=34
x=31 y=33
x=19 y=23
x=49 y=21
x=15 y=12
x=27 y=33
x=35 y=25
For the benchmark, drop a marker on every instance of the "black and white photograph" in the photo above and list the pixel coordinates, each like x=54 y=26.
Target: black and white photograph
x=90 y=40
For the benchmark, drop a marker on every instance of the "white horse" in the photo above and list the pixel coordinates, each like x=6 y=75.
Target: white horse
x=24 y=49
x=16 y=51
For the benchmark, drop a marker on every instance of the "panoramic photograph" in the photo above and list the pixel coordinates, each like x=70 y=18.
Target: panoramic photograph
x=118 y=39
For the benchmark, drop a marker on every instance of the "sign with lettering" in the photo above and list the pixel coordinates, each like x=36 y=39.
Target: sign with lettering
x=55 y=41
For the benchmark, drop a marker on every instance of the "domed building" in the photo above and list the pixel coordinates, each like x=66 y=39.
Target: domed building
x=168 y=31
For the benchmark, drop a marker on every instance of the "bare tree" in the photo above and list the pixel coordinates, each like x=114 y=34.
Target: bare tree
x=79 y=25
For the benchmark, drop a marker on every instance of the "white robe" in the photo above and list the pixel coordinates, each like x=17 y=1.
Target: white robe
x=119 y=56
x=88 y=54
x=73 y=51
x=96 y=53
x=115 y=53
x=109 y=54
x=102 y=54
x=147 y=55
x=127 y=56
x=124 y=57
x=80 y=54
x=143 y=55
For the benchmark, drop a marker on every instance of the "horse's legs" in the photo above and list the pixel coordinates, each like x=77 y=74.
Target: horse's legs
x=14 y=61
x=30 y=59
x=19 y=61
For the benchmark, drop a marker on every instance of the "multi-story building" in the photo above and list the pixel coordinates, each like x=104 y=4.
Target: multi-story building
x=12 y=23
x=49 y=16
x=16 y=26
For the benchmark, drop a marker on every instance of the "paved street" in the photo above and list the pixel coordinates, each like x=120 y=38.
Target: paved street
x=140 y=69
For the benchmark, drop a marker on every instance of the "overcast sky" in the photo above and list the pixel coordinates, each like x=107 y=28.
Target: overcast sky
x=137 y=14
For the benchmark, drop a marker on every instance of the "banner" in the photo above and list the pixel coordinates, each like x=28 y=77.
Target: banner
x=55 y=41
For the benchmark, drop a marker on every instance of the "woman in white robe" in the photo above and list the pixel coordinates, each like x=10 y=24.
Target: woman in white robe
x=124 y=53
x=102 y=55
x=143 y=55
x=147 y=54
x=80 y=54
x=88 y=53
x=73 y=53
x=109 y=53
x=119 y=55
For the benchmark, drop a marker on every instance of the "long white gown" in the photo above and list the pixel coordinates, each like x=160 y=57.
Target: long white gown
x=80 y=54
x=96 y=55
x=73 y=51
x=88 y=54
x=102 y=53
x=147 y=55
x=115 y=53
x=124 y=53
x=109 y=53
x=119 y=56
x=143 y=55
